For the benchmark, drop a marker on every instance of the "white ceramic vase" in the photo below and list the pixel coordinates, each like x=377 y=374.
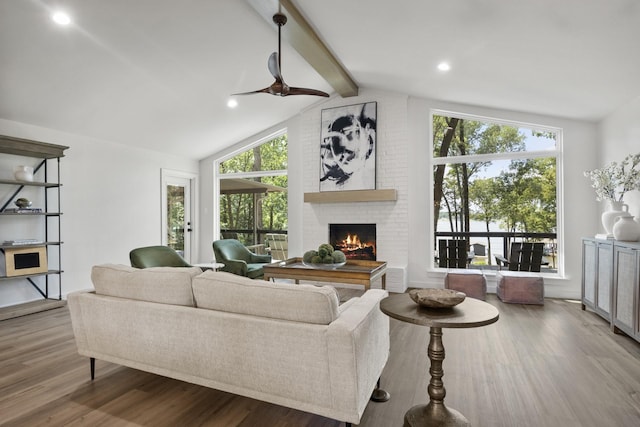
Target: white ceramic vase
x=23 y=173
x=616 y=209
x=626 y=229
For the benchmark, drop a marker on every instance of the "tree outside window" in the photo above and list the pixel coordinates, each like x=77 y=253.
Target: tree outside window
x=250 y=215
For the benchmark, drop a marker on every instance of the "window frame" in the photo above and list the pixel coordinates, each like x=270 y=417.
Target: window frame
x=217 y=175
x=557 y=153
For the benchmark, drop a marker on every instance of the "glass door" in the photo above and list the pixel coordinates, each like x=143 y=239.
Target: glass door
x=177 y=222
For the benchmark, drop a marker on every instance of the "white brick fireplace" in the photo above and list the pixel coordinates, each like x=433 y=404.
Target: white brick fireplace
x=390 y=217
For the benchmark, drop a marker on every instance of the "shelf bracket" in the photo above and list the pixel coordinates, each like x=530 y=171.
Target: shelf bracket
x=44 y=294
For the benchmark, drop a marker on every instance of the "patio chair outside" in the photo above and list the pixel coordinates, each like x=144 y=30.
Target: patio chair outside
x=479 y=254
x=452 y=254
x=278 y=245
x=523 y=256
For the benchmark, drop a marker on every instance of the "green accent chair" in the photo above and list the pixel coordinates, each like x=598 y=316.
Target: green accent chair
x=156 y=256
x=238 y=259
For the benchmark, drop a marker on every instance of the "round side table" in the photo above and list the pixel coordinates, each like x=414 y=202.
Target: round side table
x=471 y=313
x=210 y=265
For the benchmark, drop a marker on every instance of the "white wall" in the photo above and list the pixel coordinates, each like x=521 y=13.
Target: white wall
x=110 y=199
x=620 y=134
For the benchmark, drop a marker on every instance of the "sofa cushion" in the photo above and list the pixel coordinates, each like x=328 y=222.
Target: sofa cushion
x=236 y=294
x=166 y=285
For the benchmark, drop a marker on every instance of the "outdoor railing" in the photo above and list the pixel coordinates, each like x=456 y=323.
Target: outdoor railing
x=250 y=236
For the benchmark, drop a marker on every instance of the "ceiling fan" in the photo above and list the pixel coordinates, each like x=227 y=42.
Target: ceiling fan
x=279 y=87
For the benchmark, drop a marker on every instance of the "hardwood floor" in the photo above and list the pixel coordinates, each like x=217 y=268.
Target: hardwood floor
x=537 y=366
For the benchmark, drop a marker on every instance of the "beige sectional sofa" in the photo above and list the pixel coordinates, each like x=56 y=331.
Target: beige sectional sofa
x=292 y=345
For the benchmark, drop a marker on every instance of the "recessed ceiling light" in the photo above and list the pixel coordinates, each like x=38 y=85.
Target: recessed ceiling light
x=444 y=66
x=232 y=103
x=61 y=18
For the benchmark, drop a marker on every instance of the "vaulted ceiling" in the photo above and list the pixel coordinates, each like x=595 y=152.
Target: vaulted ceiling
x=158 y=73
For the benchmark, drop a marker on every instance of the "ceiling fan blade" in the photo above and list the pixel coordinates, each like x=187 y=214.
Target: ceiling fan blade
x=305 y=91
x=274 y=67
x=265 y=90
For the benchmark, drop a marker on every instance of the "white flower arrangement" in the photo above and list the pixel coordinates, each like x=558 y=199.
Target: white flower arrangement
x=615 y=179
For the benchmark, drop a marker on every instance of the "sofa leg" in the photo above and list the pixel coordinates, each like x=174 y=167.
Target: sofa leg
x=92 y=363
x=347 y=424
x=380 y=395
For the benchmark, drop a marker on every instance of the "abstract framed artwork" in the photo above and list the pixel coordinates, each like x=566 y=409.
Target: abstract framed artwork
x=348 y=147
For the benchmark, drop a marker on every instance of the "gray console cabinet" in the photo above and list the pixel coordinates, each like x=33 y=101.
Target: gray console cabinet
x=611 y=283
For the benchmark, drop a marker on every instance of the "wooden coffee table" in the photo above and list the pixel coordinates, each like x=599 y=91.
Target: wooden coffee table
x=355 y=272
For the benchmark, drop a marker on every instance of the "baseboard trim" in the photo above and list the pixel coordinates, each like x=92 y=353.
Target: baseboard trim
x=19 y=310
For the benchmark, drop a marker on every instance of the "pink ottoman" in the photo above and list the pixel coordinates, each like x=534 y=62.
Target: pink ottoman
x=520 y=287
x=471 y=282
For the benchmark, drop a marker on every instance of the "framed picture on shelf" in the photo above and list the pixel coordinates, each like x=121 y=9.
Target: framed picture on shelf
x=348 y=147
x=23 y=261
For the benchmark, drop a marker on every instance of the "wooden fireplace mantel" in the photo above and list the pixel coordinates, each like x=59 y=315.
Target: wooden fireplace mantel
x=348 y=196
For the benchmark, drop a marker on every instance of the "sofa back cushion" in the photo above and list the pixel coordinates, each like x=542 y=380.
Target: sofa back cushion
x=165 y=285
x=236 y=294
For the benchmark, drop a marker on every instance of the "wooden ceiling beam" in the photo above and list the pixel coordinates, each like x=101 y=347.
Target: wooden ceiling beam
x=302 y=37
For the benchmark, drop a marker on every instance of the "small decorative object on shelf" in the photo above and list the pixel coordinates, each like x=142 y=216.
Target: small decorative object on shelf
x=23 y=203
x=437 y=298
x=326 y=257
x=601 y=236
x=21 y=242
x=23 y=210
x=25 y=260
x=23 y=173
x=612 y=182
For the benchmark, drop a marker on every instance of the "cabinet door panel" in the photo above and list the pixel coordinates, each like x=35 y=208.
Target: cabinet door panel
x=589 y=273
x=626 y=274
x=605 y=257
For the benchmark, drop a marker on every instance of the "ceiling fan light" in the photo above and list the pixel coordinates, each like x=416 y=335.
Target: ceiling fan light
x=444 y=66
x=232 y=103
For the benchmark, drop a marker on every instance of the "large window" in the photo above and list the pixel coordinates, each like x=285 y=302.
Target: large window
x=495 y=182
x=253 y=192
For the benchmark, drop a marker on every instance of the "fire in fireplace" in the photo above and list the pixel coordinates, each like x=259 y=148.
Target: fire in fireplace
x=357 y=241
